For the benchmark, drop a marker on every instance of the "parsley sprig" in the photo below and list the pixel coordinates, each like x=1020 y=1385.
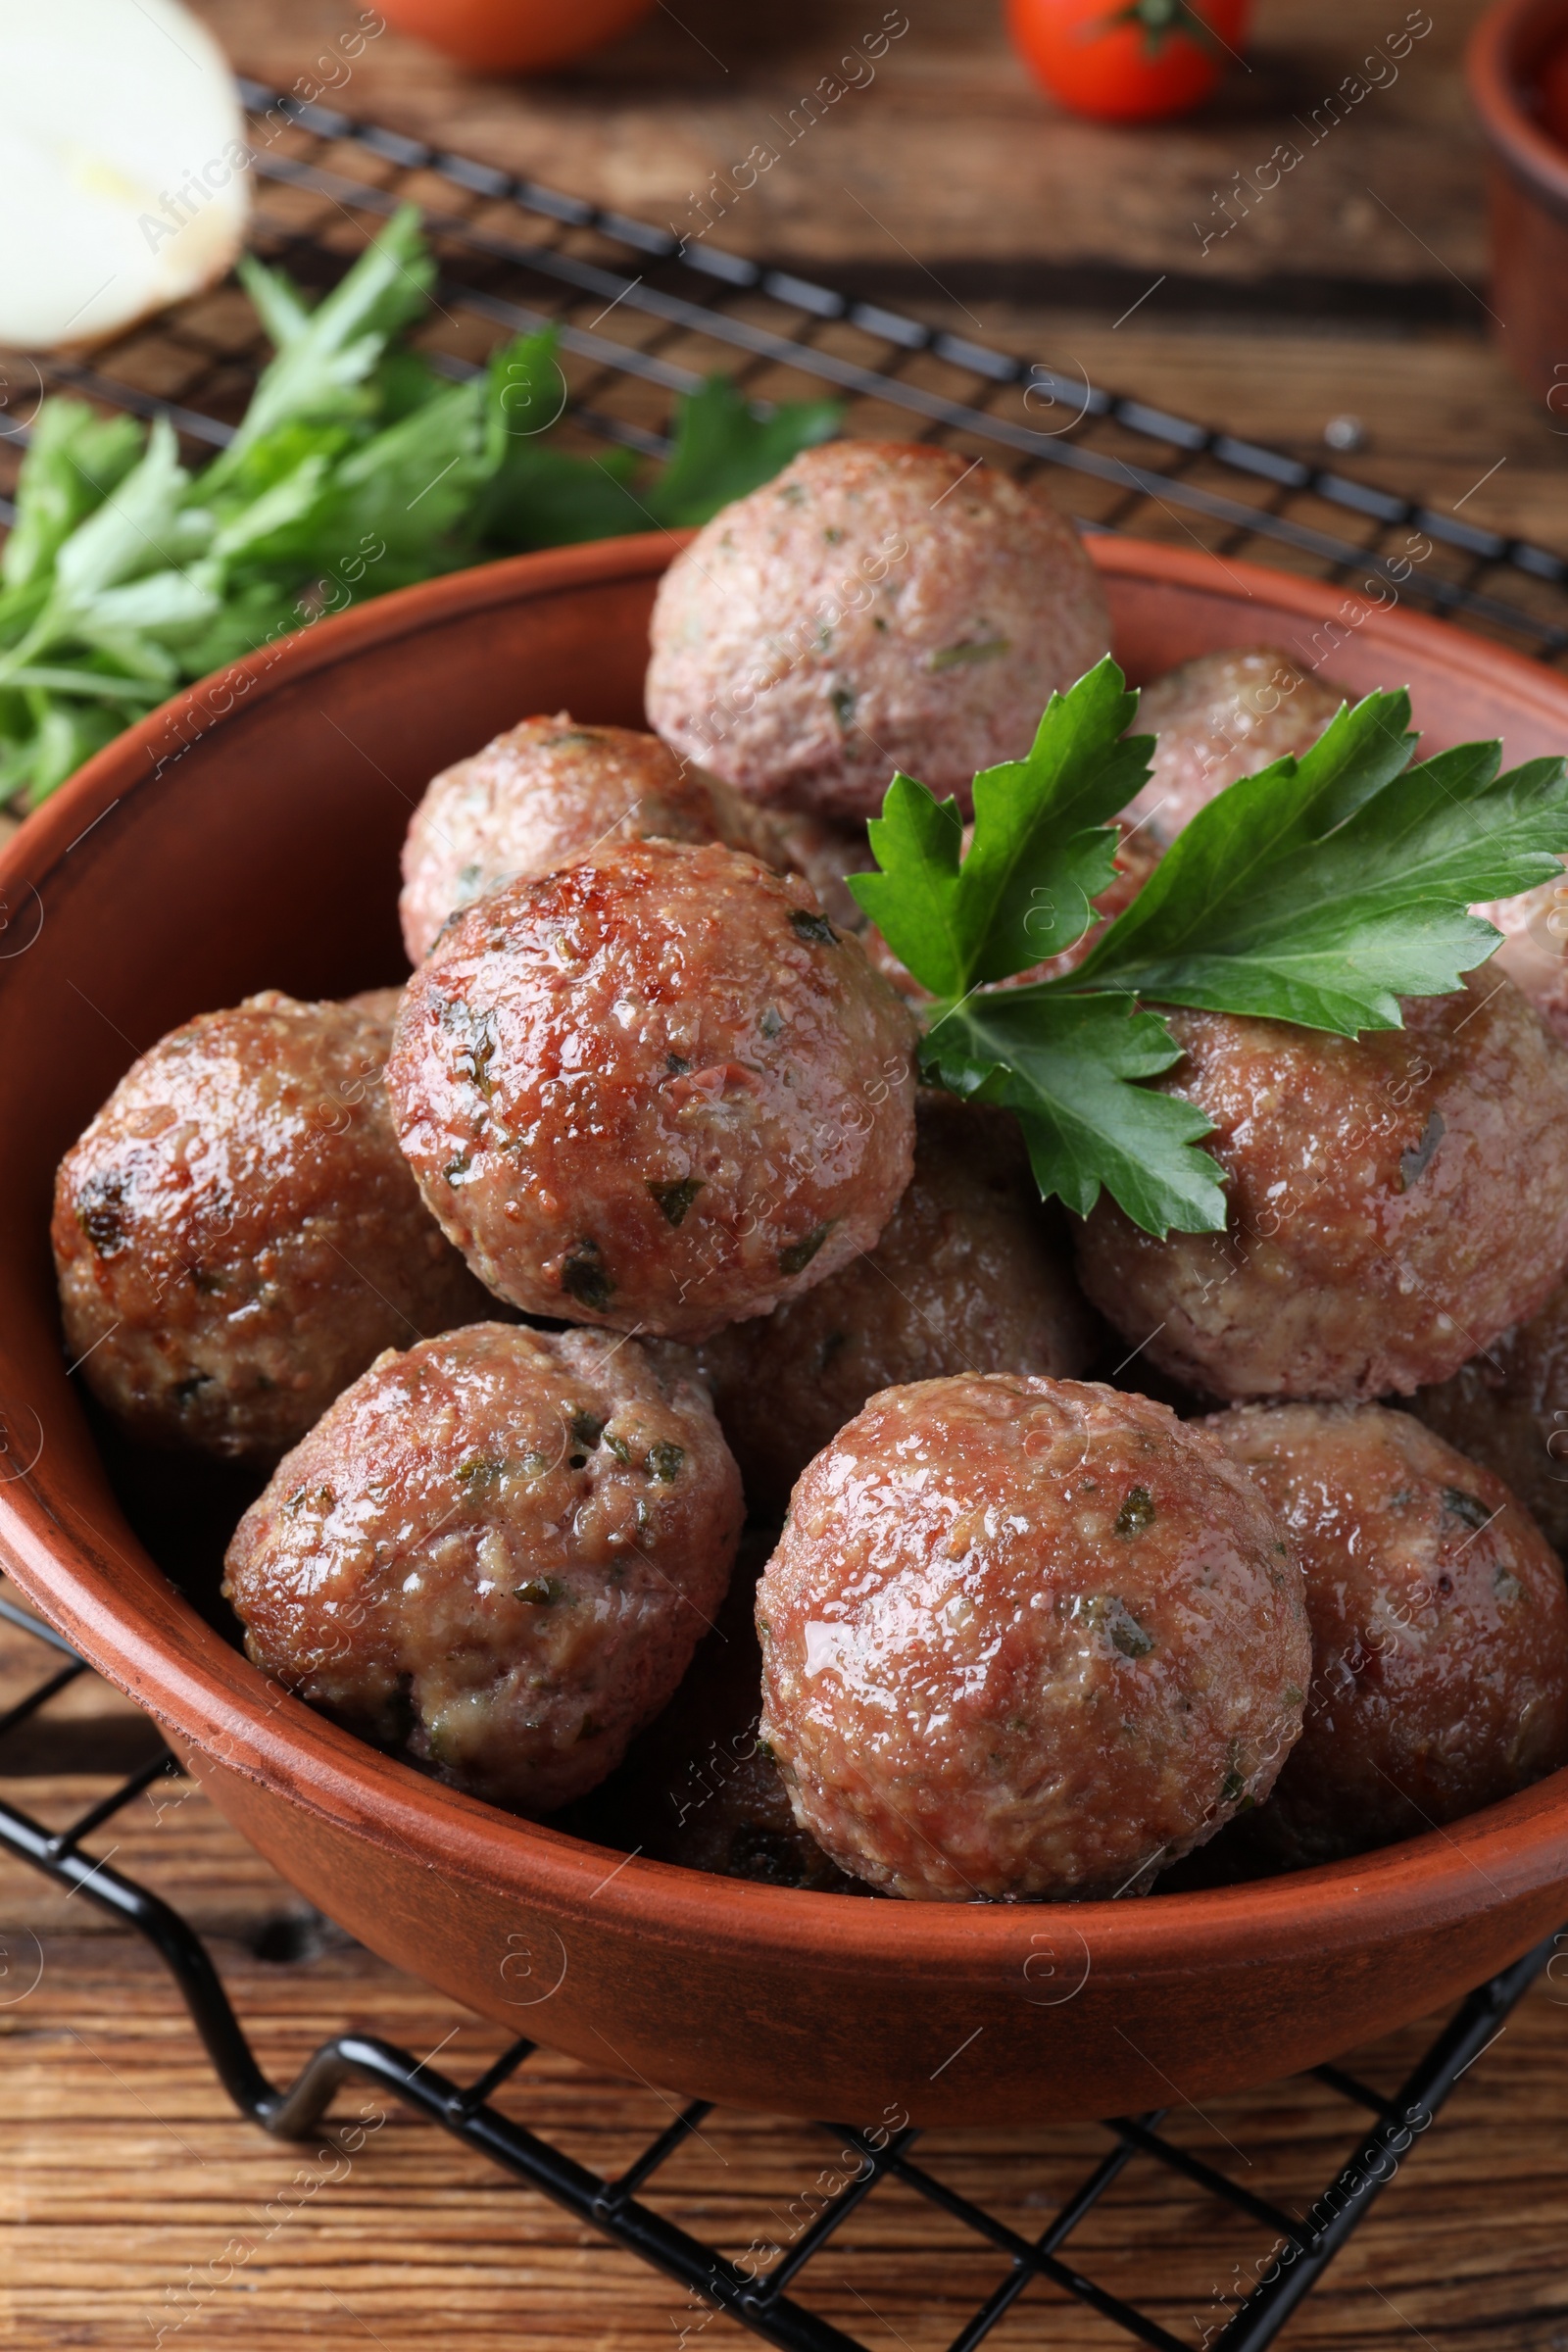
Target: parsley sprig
x=358 y=467
x=1319 y=891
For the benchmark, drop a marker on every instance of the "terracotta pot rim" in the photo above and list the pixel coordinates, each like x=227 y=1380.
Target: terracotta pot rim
x=1493 y=69
x=210 y=1698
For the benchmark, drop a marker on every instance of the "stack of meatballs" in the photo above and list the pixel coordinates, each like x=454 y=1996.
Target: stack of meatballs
x=624 y=1224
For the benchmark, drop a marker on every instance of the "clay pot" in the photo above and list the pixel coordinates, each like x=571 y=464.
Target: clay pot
x=1527 y=182
x=163 y=881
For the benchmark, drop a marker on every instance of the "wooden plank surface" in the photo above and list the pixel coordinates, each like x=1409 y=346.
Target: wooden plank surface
x=944 y=152
x=134 y=2209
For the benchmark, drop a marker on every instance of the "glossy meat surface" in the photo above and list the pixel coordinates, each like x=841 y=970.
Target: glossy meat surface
x=1440 y=1628
x=877 y=605
x=1026 y=1638
x=972 y=1274
x=236 y=1233
x=495 y=1556
x=544 y=792
x=1395 y=1200
x=657 y=1089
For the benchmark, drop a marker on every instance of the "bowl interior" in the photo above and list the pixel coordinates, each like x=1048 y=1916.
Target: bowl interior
x=248 y=839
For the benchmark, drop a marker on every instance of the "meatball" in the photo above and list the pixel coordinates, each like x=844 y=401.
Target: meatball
x=1395 y=1200
x=1221 y=717
x=1026 y=1638
x=237 y=1234
x=699 y=1786
x=1509 y=1407
x=876 y=606
x=1136 y=860
x=494 y=1556
x=1440 y=1628
x=794 y=844
x=545 y=791
x=655 y=1090
x=1534 y=947
x=971 y=1275
x=550 y=789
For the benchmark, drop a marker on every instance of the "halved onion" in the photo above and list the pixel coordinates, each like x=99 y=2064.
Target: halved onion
x=124 y=166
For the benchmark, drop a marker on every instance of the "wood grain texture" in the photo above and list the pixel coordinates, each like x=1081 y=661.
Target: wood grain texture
x=950 y=156
x=131 y=2200
x=135 y=2208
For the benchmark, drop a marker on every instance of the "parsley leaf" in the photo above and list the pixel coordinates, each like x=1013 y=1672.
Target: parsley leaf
x=1323 y=890
x=1041 y=849
x=1065 y=1066
x=723 y=449
x=360 y=465
x=1319 y=891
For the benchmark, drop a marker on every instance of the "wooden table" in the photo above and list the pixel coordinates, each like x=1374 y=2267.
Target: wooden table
x=946 y=185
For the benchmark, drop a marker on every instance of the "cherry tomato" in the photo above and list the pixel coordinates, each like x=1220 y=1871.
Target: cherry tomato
x=1552 y=87
x=1128 y=61
x=513 y=37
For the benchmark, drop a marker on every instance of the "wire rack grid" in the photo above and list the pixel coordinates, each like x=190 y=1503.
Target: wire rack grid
x=763 y=2285
x=643 y=312
x=643 y=315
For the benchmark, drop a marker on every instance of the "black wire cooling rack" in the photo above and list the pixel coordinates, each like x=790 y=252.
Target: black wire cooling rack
x=643 y=312
x=760 y=2288
x=643 y=315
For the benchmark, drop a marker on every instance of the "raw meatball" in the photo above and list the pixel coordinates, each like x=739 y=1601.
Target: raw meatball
x=495 y=1556
x=1026 y=1638
x=1221 y=717
x=655 y=1090
x=545 y=791
x=876 y=606
x=1509 y=1407
x=1395 y=1200
x=1440 y=1628
x=237 y=1234
x=1136 y=860
x=972 y=1275
x=1534 y=947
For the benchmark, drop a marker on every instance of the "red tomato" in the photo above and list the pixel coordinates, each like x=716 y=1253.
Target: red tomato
x=513 y=37
x=1552 y=84
x=1128 y=61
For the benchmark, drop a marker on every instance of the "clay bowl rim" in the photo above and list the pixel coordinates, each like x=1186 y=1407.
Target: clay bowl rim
x=210 y=1698
x=1494 y=64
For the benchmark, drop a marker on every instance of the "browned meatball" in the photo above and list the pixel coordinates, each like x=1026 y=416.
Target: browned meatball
x=1534 y=947
x=1395 y=1200
x=1509 y=1407
x=878 y=605
x=237 y=1234
x=1136 y=860
x=1440 y=1628
x=971 y=1275
x=1026 y=1638
x=544 y=792
x=1221 y=717
x=700 y=1787
x=494 y=1554
x=655 y=1090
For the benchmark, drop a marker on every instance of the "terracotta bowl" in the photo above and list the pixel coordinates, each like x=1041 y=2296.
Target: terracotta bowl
x=154 y=887
x=1527 y=192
